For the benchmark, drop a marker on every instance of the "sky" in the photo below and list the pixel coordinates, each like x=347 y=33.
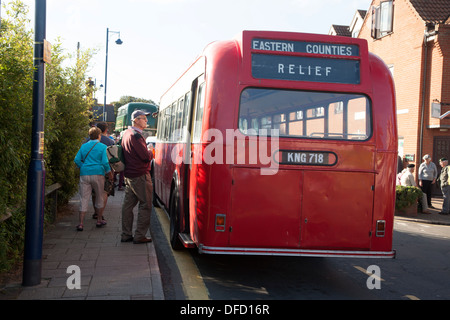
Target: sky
x=161 y=38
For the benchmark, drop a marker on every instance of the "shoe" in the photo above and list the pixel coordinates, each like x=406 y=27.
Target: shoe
x=443 y=213
x=142 y=240
x=126 y=239
x=120 y=189
x=100 y=224
x=80 y=227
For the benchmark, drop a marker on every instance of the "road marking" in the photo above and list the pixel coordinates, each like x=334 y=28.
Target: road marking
x=193 y=286
x=368 y=273
x=411 y=297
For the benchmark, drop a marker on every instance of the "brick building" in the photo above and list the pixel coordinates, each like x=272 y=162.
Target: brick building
x=413 y=39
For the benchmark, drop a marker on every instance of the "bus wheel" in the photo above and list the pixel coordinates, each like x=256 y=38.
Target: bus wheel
x=174 y=213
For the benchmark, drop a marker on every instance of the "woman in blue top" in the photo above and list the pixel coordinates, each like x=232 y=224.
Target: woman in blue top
x=93 y=164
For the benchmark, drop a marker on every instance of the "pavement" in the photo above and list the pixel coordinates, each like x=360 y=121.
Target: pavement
x=108 y=268
x=431 y=218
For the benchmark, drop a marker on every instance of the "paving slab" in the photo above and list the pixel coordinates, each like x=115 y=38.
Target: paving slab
x=108 y=269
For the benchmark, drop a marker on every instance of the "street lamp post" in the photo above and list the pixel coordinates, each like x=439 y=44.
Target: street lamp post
x=32 y=261
x=119 y=42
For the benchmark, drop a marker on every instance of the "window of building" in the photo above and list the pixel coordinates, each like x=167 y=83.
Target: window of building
x=382 y=19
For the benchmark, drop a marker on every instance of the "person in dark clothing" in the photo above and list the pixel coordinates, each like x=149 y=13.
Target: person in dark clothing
x=138 y=181
x=108 y=142
x=105 y=139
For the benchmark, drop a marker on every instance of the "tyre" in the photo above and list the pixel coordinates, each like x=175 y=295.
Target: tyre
x=174 y=214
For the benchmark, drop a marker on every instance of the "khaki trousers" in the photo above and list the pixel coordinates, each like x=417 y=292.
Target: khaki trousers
x=140 y=190
x=87 y=184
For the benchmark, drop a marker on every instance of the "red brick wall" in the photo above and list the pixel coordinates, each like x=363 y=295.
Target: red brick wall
x=404 y=50
x=439 y=84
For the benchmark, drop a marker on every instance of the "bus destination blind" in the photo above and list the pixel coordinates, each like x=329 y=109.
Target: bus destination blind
x=315 y=68
x=350 y=50
x=279 y=67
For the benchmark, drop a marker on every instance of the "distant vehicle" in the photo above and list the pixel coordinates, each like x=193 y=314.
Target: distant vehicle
x=123 y=119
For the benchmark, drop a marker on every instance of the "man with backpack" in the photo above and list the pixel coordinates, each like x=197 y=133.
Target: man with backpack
x=138 y=181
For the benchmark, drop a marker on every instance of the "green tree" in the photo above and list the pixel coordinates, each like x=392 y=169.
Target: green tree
x=16 y=76
x=16 y=79
x=67 y=110
x=67 y=116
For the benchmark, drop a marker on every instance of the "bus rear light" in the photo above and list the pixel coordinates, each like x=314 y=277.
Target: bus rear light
x=381 y=227
x=220 y=222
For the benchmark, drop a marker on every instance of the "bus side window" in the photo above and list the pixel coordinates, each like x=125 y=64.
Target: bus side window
x=167 y=121
x=161 y=126
x=196 y=137
x=179 y=117
x=158 y=132
x=185 y=114
x=173 y=118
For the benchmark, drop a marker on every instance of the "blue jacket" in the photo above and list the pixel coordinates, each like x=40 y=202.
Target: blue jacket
x=96 y=162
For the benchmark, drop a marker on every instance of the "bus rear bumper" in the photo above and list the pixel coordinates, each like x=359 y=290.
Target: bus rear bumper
x=297 y=252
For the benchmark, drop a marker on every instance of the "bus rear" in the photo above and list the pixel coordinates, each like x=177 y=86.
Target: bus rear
x=297 y=152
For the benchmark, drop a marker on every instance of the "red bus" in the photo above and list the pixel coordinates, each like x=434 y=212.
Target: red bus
x=278 y=143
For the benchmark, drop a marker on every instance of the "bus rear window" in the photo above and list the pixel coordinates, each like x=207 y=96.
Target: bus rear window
x=303 y=114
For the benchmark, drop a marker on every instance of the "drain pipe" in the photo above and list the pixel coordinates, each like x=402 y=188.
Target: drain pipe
x=427 y=34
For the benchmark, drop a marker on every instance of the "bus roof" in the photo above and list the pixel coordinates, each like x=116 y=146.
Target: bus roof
x=139 y=105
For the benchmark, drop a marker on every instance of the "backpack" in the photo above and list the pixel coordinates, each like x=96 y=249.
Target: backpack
x=115 y=157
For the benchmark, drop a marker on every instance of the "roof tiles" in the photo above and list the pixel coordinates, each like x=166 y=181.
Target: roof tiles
x=437 y=11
